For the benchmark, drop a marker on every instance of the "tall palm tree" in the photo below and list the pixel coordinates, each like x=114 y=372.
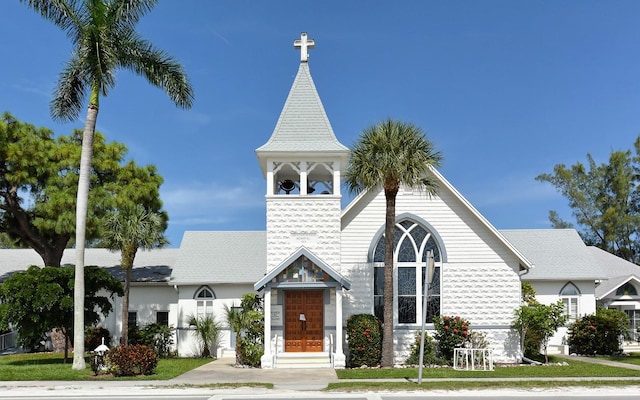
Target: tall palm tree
x=104 y=40
x=390 y=154
x=128 y=230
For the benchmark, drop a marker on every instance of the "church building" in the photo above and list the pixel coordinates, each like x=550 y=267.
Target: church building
x=318 y=263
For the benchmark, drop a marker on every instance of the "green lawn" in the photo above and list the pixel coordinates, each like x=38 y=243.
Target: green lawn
x=408 y=377
x=574 y=369
x=50 y=366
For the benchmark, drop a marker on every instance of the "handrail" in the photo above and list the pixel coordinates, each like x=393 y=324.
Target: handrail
x=274 y=357
x=331 y=352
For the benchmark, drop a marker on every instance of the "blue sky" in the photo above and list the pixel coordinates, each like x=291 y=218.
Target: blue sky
x=505 y=89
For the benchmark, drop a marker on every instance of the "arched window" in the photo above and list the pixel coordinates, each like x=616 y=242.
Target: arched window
x=412 y=244
x=204 y=297
x=627 y=290
x=569 y=294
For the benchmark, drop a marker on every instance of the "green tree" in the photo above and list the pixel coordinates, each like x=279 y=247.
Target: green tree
x=604 y=199
x=127 y=230
x=388 y=155
x=39 y=300
x=104 y=40
x=538 y=321
x=39 y=180
x=528 y=293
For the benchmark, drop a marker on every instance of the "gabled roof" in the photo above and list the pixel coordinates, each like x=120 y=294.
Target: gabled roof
x=443 y=184
x=303 y=125
x=303 y=251
x=558 y=254
x=221 y=257
x=616 y=271
x=149 y=266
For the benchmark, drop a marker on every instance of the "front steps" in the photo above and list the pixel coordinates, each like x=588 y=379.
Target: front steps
x=303 y=360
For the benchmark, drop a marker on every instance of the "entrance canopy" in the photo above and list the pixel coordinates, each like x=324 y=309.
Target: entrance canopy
x=303 y=269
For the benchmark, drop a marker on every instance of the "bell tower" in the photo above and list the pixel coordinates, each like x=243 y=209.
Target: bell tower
x=302 y=162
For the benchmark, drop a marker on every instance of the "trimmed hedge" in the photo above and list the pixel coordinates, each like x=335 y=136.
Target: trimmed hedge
x=364 y=336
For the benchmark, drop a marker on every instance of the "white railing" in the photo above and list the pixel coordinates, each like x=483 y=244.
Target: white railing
x=331 y=352
x=473 y=359
x=274 y=351
x=7 y=341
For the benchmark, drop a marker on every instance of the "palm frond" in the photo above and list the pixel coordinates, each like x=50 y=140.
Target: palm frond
x=63 y=13
x=69 y=96
x=160 y=69
x=125 y=14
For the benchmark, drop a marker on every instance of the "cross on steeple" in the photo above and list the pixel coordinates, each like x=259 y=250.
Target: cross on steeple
x=304 y=44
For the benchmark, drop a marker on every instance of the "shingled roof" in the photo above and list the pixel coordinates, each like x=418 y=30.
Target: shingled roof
x=557 y=254
x=221 y=257
x=303 y=125
x=149 y=266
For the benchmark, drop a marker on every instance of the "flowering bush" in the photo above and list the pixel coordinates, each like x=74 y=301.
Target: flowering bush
x=429 y=355
x=599 y=333
x=364 y=336
x=132 y=360
x=451 y=332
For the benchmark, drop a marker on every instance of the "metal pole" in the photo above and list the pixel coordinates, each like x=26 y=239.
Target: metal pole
x=429 y=277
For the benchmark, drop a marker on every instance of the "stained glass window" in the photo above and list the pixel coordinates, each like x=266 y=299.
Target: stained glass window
x=412 y=242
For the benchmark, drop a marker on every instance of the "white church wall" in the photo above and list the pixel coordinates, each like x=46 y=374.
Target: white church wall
x=226 y=295
x=480 y=281
x=145 y=301
x=294 y=221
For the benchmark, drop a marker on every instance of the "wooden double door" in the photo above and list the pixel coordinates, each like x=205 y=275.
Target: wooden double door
x=304 y=320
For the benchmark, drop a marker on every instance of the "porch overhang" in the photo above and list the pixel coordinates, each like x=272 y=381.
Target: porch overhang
x=303 y=251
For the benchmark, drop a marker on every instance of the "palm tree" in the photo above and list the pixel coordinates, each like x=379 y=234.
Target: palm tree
x=104 y=40
x=207 y=331
x=127 y=231
x=389 y=154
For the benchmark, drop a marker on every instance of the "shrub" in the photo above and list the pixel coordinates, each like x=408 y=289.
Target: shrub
x=247 y=321
x=429 y=355
x=132 y=360
x=451 y=332
x=207 y=331
x=93 y=337
x=599 y=333
x=157 y=336
x=364 y=335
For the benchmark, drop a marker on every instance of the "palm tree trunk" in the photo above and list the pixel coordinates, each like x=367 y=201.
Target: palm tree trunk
x=81 y=224
x=124 y=337
x=126 y=262
x=389 y=232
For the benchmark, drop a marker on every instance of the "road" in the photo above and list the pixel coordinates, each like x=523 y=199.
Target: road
x=568 y=393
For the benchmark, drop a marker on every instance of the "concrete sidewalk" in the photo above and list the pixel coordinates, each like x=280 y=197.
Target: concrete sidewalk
x=224 y=370
x=595 y=360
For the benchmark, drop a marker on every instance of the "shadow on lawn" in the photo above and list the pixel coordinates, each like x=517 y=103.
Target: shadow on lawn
x=43 y=361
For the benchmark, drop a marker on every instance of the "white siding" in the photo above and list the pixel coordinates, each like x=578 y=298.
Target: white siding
x=227 y=295
x=480 y=281
x=310 y=221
